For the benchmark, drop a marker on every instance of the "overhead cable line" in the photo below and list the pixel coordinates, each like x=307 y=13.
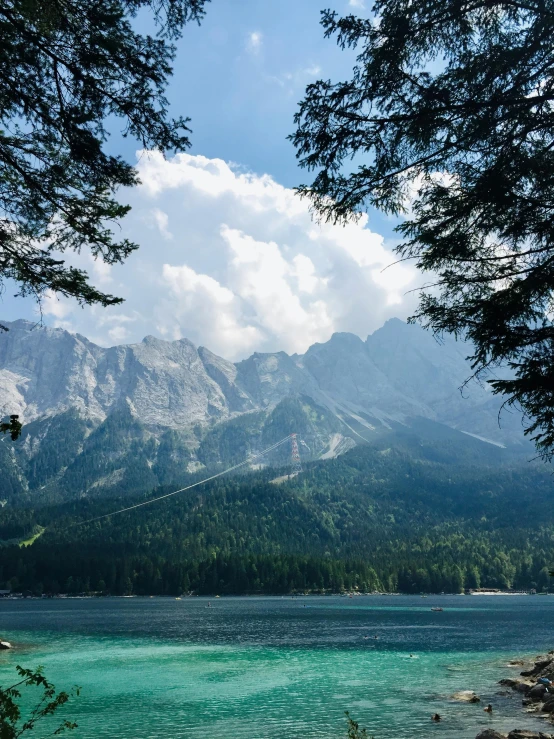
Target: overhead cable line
x=188 y=487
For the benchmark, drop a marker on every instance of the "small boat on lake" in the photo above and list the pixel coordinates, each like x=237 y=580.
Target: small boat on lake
x=436 y=608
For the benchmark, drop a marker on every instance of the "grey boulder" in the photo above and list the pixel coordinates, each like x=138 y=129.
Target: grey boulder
x=537 y=692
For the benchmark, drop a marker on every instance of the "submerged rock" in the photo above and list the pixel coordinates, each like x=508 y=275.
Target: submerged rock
x=466 y=696
x=490 y=734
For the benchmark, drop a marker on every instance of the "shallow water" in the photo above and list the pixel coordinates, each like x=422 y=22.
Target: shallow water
x=270 y=668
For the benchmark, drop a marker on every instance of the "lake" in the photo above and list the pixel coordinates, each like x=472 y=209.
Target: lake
x=270 y=668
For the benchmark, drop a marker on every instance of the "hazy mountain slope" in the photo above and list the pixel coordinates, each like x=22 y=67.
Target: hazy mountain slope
x=350 y=380
x=434 y=372
x=126 y=418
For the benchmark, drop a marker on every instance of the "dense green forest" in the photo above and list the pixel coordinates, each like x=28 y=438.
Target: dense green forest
x=420 y=510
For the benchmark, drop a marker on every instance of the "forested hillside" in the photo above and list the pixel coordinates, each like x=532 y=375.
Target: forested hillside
x=67 y=457
x=426 y=509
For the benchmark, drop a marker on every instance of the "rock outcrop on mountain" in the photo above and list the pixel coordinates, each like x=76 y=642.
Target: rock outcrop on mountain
x=47 y=371
x=194 y=408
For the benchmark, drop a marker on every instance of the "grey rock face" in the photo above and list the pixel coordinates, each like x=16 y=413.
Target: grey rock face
x=224 y=374
x=437 y=373
x=537 y=692
x=44 y=372
x=398 y=374
x=268 y=378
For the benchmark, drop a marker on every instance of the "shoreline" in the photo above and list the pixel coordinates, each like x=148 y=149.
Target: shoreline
x=292 y=595
x=535 y=683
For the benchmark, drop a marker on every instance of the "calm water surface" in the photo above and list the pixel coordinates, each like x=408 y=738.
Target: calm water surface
x=270 y=668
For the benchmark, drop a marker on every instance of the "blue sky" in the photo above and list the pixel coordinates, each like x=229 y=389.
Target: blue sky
x=228 y=256
x=242 y=73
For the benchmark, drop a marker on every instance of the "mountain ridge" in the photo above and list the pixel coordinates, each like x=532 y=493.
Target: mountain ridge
x=376 y=362
x=138 y=410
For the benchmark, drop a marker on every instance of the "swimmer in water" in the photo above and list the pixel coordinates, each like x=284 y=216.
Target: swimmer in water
x=436 y=717
x=488 y=709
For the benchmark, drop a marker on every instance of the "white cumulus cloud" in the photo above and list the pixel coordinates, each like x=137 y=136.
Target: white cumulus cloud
x=233 y=261
x=202 y=302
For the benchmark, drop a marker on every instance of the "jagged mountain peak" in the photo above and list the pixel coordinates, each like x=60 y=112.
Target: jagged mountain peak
x=338 y=340
x=154 y=340
x=393 y=324
x=164 y=344
x=136 y=415
x=398 y=373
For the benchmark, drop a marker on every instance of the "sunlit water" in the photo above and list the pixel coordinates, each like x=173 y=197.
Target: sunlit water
x=270 y=668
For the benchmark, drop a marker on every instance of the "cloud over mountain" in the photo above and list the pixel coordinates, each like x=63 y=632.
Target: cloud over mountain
x=234 y=260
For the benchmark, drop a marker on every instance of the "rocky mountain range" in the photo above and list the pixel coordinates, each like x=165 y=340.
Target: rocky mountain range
x=122 y=418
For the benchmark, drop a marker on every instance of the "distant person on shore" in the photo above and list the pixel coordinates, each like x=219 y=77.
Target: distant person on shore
x=488 y=709
x=436 y=717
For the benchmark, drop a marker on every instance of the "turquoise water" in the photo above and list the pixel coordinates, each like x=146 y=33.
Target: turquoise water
x=270 y=668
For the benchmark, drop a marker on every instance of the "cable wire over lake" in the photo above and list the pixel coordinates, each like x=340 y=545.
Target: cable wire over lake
x=188 y=487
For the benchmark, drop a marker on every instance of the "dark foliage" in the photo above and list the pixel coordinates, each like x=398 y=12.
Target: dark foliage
x=13 y=427
x=13 y=723
x=354 y=731
x=68 y=66
x=451 y=103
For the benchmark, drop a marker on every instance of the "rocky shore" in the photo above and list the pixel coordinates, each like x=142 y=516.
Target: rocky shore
x=536 y=686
